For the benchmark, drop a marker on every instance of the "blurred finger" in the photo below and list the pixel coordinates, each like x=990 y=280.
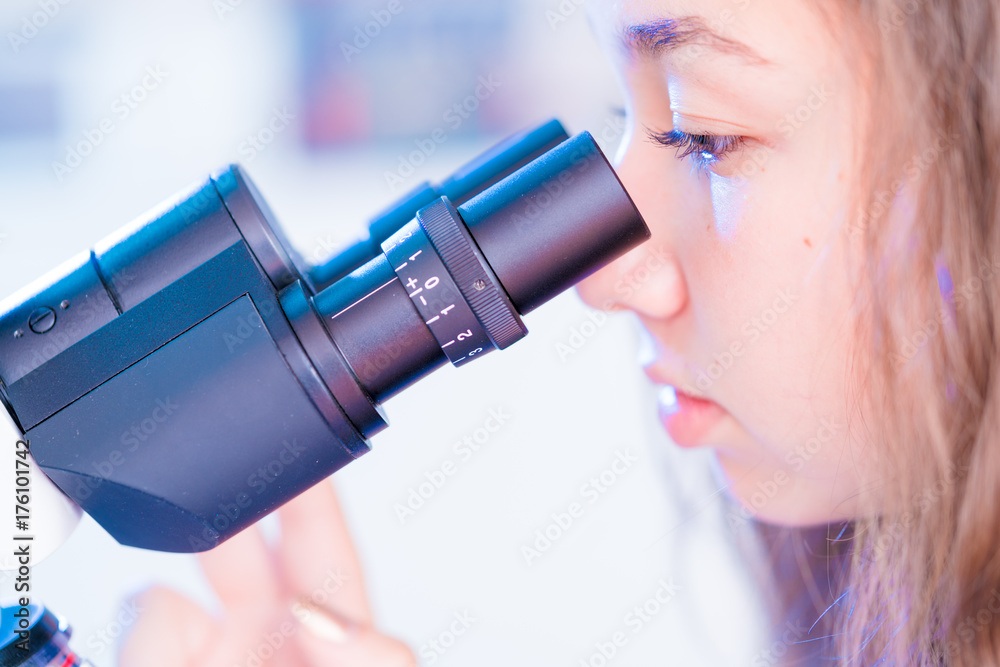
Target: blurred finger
x=317 y=557
x=172 y=631
x=329 y=640
x=243 y=574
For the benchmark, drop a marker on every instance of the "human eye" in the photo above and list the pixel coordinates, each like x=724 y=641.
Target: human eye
x=705 y=150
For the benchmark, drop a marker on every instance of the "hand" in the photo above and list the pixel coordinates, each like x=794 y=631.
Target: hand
x=299 y=604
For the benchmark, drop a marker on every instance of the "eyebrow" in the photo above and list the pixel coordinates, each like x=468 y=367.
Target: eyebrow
x=659 y=36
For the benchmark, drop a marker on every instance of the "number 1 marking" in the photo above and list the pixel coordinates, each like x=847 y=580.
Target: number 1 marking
x=445 y=311
x=414 y=255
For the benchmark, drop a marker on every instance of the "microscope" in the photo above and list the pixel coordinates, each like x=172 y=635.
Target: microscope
x=191 y=373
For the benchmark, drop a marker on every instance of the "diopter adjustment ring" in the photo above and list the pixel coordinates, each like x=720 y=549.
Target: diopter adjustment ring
x=472 y=273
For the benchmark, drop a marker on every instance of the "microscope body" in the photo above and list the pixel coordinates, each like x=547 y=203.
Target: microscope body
x=190 y=374
x=163 y=344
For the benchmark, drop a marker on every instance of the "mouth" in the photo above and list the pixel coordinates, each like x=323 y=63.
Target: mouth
x=686 y=418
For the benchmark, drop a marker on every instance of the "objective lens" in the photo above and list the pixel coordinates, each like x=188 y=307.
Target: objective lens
x=33 y=636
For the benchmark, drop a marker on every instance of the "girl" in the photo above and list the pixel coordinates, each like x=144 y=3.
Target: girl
x=821 y=180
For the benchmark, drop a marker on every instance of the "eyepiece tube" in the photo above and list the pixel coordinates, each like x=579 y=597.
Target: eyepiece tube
x=469 y=273
x=552 y=224
x=501 y=161
x=468 y=181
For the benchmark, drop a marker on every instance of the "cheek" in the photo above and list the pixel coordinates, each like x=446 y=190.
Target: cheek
x=728 y=204
x=773 y=299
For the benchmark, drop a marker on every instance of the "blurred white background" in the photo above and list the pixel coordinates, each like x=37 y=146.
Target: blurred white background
x=225 y=68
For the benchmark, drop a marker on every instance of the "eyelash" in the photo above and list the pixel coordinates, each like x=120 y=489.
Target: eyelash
x=705 y=149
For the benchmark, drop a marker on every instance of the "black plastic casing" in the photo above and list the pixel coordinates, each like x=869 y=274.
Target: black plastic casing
x=172 y=399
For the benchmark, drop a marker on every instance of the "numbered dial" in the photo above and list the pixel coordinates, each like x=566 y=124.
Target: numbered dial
x=451 y=285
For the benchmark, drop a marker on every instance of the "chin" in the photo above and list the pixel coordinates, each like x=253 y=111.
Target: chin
x=776 y=495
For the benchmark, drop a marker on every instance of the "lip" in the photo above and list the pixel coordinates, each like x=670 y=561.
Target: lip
x=686 y=418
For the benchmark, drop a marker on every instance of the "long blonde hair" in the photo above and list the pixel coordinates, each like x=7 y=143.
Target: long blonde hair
x=916 y=579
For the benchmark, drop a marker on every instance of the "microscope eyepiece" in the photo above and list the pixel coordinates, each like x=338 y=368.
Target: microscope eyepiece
x=468 y=181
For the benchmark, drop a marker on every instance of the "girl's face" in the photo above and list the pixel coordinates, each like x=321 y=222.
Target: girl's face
x=744 y=289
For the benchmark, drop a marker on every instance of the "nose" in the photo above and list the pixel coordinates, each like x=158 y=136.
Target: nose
x=648 y=279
